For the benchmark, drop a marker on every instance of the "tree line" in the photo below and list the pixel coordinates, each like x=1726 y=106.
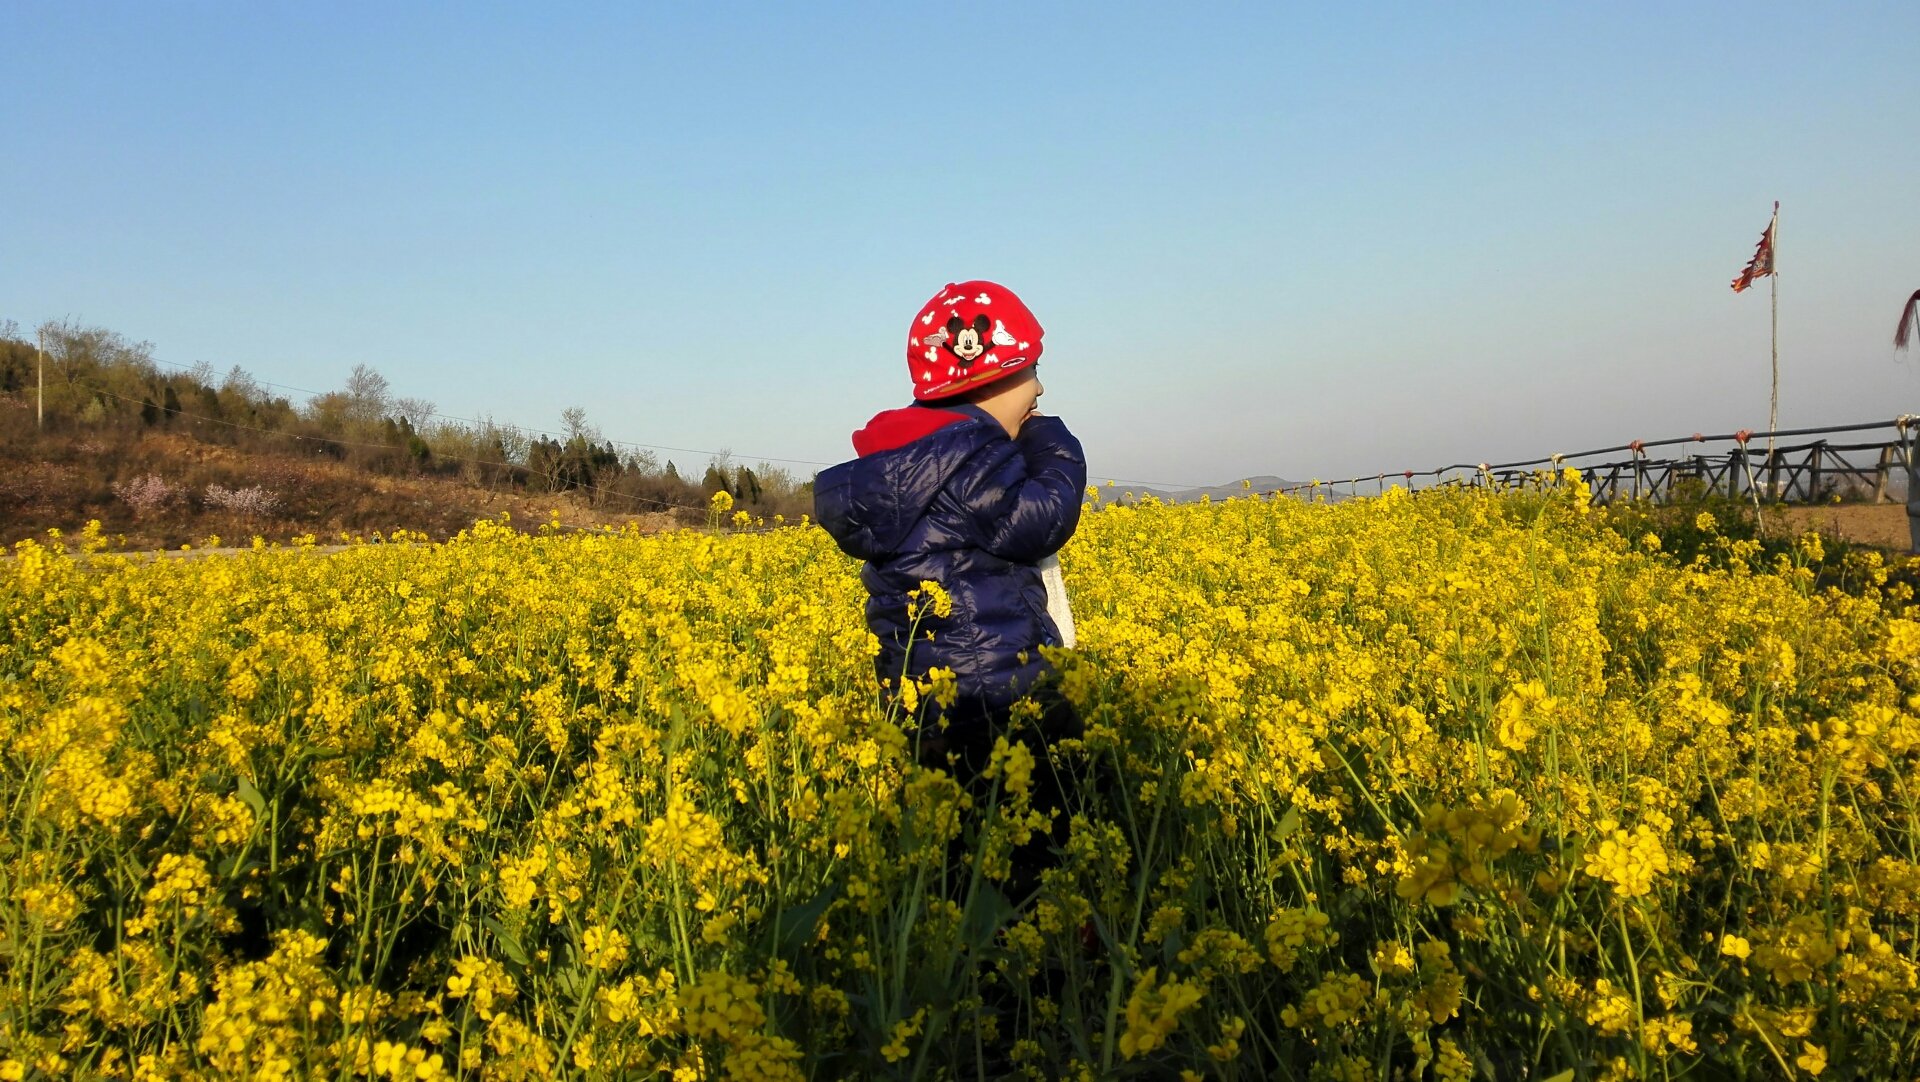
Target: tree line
x=98 y=381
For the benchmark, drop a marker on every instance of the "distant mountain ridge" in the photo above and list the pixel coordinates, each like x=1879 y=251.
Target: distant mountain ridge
x=1264 y=483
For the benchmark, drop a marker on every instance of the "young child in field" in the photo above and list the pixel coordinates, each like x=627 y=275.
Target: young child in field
x=970 y=487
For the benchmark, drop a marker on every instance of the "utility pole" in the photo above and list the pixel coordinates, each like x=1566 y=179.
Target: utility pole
x=40 y=359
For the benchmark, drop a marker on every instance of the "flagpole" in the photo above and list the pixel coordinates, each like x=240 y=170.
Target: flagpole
x=1766 y=264
x=1773 y=403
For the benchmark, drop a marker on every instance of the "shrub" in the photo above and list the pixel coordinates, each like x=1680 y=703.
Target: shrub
x=251 y=500
x=146 y=494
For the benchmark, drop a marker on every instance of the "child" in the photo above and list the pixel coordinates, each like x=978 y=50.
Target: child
x=970 y=487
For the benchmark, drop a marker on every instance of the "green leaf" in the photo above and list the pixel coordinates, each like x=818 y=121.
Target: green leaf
x=1289 y=824
x=794 y=927
x=987 y=913
x=251 y=797
x=312 y=753
x=1171 y=945
x=937 y=1019
x=1563 y=1076
x=509 y=943
x=233 y=867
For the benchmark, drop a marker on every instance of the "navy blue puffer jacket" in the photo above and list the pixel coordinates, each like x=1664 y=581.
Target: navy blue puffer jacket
x=942 y=493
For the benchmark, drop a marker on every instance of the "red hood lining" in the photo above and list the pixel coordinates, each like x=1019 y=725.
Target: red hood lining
x=898 y=427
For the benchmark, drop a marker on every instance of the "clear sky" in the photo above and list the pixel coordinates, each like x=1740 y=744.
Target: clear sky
x=1307 y=243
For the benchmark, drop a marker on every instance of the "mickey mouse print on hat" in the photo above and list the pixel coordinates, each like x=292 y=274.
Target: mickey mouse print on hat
x=967 y=336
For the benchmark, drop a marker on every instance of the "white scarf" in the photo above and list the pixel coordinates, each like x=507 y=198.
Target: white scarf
x=1057 y=606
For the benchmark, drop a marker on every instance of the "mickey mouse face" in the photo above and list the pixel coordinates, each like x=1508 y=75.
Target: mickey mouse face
x=968 y=341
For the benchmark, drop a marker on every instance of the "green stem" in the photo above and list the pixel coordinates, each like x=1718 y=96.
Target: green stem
x=1639 y=1009
x=1115 y=983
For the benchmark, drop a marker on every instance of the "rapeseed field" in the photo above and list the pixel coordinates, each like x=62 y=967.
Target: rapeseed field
x=1451 y=785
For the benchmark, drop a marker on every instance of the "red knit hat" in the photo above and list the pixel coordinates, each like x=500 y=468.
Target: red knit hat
x=967 y=336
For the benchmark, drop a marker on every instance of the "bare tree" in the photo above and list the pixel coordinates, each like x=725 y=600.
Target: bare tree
x=84 y=362
x=776 y=480
x=513 y=442
x=575 y=420
x=496 y=442
x=416 y=411
x=75 y=348
x=368 y=394
x=240 y=384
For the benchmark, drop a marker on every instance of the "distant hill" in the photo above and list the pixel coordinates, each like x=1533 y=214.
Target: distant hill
x=1264 y=483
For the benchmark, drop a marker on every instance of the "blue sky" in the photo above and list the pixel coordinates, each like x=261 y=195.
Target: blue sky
x=1309 y=243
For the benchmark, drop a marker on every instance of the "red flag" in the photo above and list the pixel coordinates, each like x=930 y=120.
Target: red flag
x=1762 y=263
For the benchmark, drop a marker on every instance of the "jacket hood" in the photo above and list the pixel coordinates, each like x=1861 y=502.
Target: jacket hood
x=890 y=429
x=870 y=504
